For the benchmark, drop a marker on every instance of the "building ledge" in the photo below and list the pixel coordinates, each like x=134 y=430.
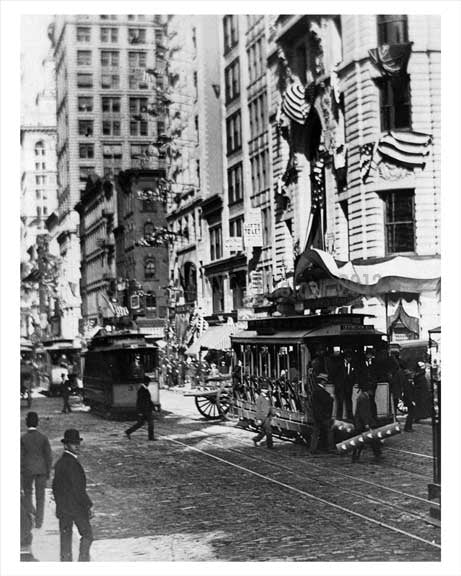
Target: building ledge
x=226 y=264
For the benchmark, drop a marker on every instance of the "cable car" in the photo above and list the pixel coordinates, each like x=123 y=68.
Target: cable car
x=61 y=356
x=277 y=353
x=114 y=366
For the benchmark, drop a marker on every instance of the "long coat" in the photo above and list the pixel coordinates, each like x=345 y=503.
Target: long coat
x=69 y=488
x=322 y=404
x=36 y=457
x=422 y=395
x=363 y=417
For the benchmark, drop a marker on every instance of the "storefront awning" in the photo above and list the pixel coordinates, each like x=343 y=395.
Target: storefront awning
x=215 y=338
x=399 y=273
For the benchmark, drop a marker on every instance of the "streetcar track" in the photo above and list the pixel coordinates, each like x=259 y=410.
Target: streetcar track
x=345 y=490
x=412 y=453
x=305 y=493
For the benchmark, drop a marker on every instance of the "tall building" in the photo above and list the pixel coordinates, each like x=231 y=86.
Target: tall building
x=38 y=199
x=105 y=82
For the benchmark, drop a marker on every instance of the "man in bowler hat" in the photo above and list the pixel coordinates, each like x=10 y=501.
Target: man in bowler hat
x=73 y=504
x=145 y=407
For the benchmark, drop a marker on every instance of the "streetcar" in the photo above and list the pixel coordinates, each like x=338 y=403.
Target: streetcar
x=114 y=366
x=60 y=357
x=276 y=353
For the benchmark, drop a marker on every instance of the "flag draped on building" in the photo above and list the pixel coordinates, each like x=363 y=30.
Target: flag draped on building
x=391 y=59
x=294 y=103
x=367 y=152
x=318 y=184
x=410 y=148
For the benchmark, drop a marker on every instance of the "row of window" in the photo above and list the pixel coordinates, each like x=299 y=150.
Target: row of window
x=137 y=80
x=111 y=127
x=107 y=58
x=111 y=34
x=112 y=159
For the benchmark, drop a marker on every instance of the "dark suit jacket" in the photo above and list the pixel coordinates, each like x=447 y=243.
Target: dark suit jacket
x=36 y=457
x=322 y=404
x=69 y=488
x=144 y=403
x=341 y=380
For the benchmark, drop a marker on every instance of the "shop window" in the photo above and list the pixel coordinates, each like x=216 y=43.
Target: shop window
x=400 y=221
x=392 y=29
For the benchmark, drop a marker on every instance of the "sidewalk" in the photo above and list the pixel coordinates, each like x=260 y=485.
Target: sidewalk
x=45 y=544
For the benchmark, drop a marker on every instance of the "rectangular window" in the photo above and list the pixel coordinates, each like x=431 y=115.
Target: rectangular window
x=110 y=81
x=137 y=59
x=400 y=221
x=232 y=81
x=395 y=103
x=136 y=35
x=259 y=172
x=85 y=128
x=83 y=34
x=234 y=133
x=138 y=128
x=85 y=104
x=112 y=159
x=84 y=172
x=109 y=35
x=235 y=183
x=230 y=26
x=258 y=115
x=83 y=57
x=110 y=104
x=138 y=105
x=111 y=127
x=216 y=243
x=392 y=29
x=86 y=150
x=110 y=58
x=84 y=80
x=235 y=227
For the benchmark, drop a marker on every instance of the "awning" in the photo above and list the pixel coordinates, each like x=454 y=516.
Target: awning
x=215 y=338
x=399 y=273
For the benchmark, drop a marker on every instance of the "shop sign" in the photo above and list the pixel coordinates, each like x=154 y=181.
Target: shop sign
x=252 y=228
x=234 y=244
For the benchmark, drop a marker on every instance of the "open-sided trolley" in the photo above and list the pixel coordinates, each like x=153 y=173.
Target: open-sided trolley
x=276 y=353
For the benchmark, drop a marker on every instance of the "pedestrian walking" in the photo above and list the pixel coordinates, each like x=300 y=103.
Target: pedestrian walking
x=145 y=407
x=322 y=408
x=36 y=462
x=65 y=393
x=73 y=505
x=264 y=413
x=364 y=420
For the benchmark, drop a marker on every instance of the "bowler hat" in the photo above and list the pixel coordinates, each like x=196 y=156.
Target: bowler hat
x=72 y=436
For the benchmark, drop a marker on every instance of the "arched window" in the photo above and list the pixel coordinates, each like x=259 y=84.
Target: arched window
x=149 y=268
x=40 y=148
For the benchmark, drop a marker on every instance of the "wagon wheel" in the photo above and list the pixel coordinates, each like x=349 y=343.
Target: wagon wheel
x=208 y=407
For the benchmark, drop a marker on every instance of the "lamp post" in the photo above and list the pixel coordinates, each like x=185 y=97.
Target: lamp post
x=434 y=487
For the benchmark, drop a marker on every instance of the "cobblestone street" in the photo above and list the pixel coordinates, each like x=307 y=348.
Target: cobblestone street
x=203 y=492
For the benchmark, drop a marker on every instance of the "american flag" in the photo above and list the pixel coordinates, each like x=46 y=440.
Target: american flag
x=294 y=103
x=318 y=184
x=367 y=160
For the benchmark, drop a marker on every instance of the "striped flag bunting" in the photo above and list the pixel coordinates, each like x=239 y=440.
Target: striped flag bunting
x=318 y=184
x=294 y=103
x=391 y=59
x=367 y=152
x=410 y=148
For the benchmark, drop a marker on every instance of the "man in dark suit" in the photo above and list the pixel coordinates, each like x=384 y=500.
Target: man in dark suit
x=367 y=377
x=145 y=407
x=364 y=420
x=73 y=504
x=322 y=407
x=65 y=392
x=36 y=462
x=341 y=373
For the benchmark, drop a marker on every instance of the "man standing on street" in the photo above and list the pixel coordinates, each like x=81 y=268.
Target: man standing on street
x=36 y=462
x=145 y=407
x=264 y=413
x=65 y=392
x=72 y=502
x=322 y=407
x=364 y=420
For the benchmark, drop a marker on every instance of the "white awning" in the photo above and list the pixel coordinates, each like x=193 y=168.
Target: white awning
x=215 y=338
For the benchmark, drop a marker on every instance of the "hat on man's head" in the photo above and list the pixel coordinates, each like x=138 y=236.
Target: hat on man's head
x=71 y=436
x=32 y=419
x=146 y=379
x=322 y=377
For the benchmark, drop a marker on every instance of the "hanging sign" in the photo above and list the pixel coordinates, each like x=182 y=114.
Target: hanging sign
x=252 y=228
x=234 y=244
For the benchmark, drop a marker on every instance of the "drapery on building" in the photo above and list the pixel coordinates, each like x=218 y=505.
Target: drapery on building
x=331 y=167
